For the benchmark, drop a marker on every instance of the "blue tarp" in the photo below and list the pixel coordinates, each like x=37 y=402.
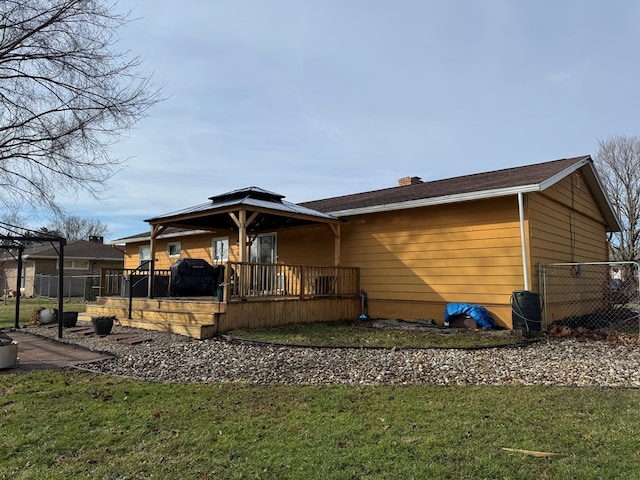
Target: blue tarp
x=480 y=314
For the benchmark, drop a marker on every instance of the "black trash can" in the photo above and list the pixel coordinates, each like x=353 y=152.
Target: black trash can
x=526 y=310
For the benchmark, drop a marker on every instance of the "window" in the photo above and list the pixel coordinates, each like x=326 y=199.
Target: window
x=220 y=247
x=144 y=256
x=23 y=279
x=173 y=249
x=76 y=264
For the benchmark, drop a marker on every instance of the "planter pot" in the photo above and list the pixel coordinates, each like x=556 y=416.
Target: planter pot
x=8 y=354
x=69 y=319
x=47 y=316
x=102 y=325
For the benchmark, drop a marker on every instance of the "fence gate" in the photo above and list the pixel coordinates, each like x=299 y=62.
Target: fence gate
x=600 y=296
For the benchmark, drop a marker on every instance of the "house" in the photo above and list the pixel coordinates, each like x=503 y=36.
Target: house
x=416 y=246
x=83 y=261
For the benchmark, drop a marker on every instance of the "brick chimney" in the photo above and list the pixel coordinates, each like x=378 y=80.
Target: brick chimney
x=406 y=181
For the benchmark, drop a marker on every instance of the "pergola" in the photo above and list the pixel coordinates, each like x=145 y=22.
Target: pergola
x=15 y=240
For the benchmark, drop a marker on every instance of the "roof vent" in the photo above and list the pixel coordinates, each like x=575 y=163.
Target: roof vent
x=406 y=181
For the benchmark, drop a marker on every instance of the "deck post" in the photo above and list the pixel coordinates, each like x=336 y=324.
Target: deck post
x=336 y=244
x=227 y=284
x=242 y=236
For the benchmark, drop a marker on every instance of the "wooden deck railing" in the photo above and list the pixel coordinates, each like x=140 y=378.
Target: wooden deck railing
x=250 y=280
x=247 y=280
x=116 y=281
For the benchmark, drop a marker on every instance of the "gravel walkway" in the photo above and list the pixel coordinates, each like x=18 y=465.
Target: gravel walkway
x=174 y=358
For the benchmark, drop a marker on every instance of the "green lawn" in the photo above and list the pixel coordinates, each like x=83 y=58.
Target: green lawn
x=362 y=334
x=28 y=305
x=69 y=424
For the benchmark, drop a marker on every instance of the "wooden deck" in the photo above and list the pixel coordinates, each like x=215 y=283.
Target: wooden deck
x=259 y=295
x=205 y=317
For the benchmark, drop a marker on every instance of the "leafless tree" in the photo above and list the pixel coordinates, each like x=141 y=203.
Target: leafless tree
x=618 y=162
x=73 y=227
x=66 y=94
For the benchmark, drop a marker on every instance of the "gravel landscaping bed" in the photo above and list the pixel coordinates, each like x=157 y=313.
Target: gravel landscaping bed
x=175 y=358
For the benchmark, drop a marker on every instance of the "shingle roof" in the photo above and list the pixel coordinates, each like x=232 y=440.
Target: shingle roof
x=81 y=249
x=505 y=179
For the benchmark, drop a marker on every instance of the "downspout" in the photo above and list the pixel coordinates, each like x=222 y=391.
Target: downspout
x=523 y=241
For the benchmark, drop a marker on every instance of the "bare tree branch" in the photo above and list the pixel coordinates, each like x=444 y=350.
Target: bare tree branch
x=618 y=161
x=73 y=227
x=66 y=95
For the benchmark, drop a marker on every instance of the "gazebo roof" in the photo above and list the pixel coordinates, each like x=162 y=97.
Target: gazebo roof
x=273 y=212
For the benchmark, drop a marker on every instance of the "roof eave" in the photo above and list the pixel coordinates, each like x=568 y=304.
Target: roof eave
x=595 y=184
x=427 y=202
x=146 y=238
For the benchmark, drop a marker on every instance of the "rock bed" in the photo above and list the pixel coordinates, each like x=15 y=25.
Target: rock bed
x=179 y=359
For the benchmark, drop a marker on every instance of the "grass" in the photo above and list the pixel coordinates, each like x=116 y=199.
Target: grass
x=27 y=306
x=363 y=334
x=70 y=424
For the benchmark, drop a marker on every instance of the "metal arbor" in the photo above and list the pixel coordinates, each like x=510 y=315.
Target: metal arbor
x=15 y=239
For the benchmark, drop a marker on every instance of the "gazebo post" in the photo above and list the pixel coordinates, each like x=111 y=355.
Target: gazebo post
x=242 y=236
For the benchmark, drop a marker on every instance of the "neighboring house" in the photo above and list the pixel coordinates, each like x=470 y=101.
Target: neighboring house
x=40 y=267
x=418 y=246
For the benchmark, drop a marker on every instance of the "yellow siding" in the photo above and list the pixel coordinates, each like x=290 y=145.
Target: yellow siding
x=192 y=246
x=306 y=246
x=414 y=262
x=566 y=226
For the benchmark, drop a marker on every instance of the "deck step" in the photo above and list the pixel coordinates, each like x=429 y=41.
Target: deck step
x=195 y=331
x=181 y=317
x=195 y=319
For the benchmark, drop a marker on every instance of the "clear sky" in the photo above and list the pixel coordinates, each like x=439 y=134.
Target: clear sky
x=313 y=99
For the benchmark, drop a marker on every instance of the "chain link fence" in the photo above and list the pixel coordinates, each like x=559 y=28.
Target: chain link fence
x=78 y=287
x=84 y=286
x=597 y=296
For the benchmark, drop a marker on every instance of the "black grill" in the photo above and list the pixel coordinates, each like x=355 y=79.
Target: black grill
x=195 y=277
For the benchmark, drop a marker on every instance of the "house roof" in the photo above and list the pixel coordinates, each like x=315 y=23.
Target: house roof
x=509 y=181
x=79 y=249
